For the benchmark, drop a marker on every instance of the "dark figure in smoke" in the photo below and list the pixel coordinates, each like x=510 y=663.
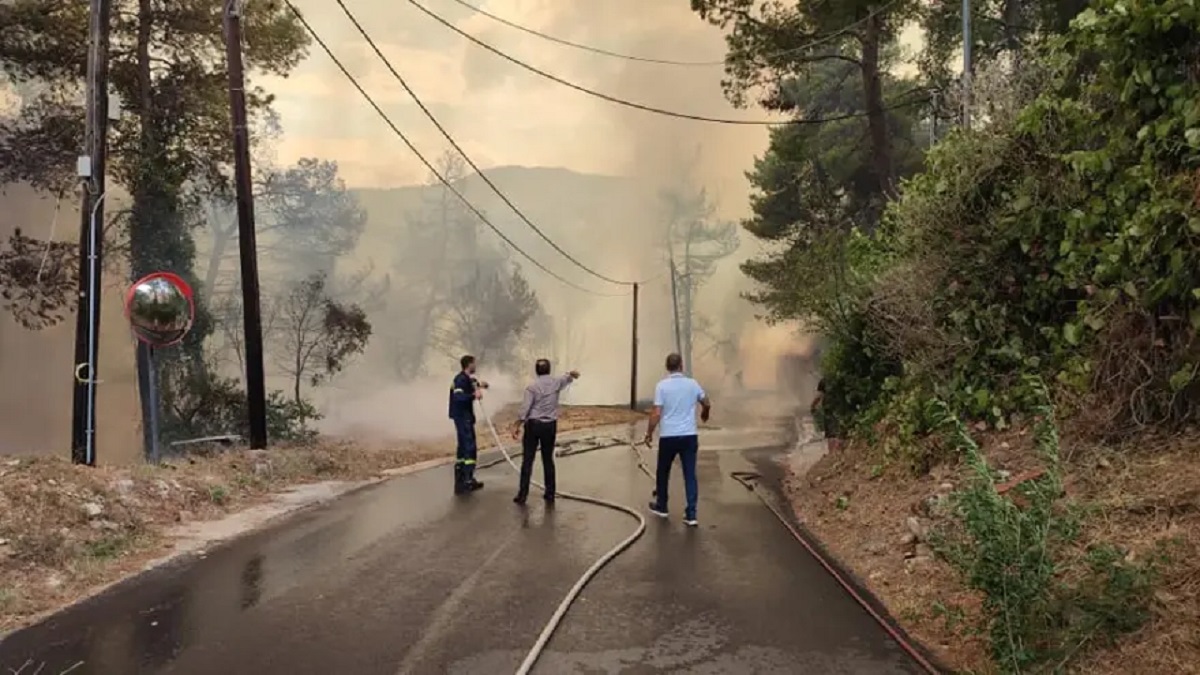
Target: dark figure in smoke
x=539 y=417
x=825 y=420
x=463 y=394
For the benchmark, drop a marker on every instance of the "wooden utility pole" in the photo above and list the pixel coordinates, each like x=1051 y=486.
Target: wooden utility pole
x=256 y=390
x=633 y=357
x=91 y=170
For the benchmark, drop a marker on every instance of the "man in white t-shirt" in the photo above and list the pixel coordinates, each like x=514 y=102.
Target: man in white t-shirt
x=675 y=399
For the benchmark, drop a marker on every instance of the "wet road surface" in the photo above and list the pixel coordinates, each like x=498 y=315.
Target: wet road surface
x=406 y=578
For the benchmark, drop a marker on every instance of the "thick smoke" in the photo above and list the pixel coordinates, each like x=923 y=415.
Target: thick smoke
x=587 y=171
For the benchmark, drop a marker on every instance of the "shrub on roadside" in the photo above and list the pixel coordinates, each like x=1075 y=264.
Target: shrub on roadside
x=1044 y=599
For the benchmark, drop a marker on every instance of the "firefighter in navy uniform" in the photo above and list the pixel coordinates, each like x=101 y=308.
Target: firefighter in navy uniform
x=465 y=390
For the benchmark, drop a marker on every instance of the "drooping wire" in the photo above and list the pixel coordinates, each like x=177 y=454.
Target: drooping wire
x=622 y=102
x=429 y=165
x=458 y=148
x=816 y=42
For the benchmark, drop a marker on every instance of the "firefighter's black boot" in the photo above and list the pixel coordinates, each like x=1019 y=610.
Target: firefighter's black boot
x=469 y=478
x=460 y=483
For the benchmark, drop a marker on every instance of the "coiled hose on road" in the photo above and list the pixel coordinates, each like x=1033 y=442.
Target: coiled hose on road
x=551 y=626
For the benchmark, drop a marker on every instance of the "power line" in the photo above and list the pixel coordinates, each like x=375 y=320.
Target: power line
x=816 y=42
x=429 y=165
x=619 y=101
x=432 y=118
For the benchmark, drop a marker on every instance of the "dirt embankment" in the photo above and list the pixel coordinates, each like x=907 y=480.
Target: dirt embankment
x=67 y=531
x=1144 y=497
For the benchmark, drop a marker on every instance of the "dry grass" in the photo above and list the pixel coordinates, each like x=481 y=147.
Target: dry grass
x=1145 y=497
x=571 y=418
x=67 y=530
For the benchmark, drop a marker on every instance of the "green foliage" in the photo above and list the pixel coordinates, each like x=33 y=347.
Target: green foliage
x=1065 y=242
x=210 y=405
x=1017 y=551
x=170 y=147
x=1000 y=28
x=856 y=376
x=37 y=279
x=316 y=336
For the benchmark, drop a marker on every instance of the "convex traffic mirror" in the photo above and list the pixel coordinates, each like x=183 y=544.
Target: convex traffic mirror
x=160 y=309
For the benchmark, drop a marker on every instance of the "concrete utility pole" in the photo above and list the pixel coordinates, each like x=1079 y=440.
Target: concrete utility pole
x=91 y=169
x=966 y=74
x=633 y=357
x=256 y=390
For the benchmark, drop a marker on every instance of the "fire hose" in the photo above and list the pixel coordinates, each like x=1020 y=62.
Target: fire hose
x=538 y=647
x=748 y=480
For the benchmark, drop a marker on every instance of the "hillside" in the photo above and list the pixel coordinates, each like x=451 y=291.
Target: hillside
x=580 y=211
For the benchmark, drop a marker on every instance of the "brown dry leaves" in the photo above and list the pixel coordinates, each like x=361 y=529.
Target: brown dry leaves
x=1146 y=498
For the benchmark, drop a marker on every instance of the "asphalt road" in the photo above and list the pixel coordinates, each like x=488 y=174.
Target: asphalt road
x=406 y=578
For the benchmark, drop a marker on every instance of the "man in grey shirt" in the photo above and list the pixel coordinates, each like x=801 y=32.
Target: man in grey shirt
x=539 y=418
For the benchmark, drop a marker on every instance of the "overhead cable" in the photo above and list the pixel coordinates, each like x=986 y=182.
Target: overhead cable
x=429 y=165
x=499 y=193
x=815 y=42
x=630 y=104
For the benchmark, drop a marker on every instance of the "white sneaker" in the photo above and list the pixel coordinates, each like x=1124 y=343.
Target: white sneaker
x=691 y=522
x=655 y=511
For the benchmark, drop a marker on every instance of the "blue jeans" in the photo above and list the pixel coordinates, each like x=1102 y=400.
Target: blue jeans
x=686 y=448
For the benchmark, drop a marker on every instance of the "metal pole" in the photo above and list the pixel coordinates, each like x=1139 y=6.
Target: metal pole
x=153 y=419
x=966 y=75
x=633 y=356
x=91 y=241
x=256 y=393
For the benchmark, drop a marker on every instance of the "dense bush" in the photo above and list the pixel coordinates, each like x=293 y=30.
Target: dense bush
x=1062 y=240
x=212 y=405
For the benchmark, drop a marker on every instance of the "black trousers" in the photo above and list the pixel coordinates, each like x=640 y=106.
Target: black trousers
x=539 y=435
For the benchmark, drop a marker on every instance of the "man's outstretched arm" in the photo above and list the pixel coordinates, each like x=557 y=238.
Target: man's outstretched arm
x=566 y=380
x=705 y=407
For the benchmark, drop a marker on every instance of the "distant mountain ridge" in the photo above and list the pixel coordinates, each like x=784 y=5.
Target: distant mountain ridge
x=581 y=212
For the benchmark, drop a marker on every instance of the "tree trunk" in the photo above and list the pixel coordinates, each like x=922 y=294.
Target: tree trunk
x=877 y=117
x=221 y=238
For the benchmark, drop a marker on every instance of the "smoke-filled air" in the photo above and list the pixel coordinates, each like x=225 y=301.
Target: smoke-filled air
x=376 y=276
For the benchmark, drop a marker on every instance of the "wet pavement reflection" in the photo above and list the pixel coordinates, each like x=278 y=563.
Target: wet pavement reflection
x=404 y=577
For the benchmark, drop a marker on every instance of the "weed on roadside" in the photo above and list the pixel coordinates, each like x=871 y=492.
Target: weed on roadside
x=1045 y=600
x=218 y=494
x=107 y=547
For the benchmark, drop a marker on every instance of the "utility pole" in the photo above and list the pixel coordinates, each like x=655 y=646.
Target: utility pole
x=256 y=390
x=633 y=356
x=966 y=74
x=91 y=168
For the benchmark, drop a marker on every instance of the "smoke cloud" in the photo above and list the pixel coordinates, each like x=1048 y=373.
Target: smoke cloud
x=588 y=172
